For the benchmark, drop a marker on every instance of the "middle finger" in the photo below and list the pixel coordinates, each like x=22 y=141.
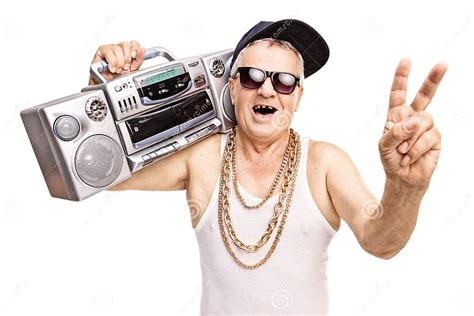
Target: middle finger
x=428 y=88
x=126 y=49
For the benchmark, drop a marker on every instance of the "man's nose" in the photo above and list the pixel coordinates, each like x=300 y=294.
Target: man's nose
x=266 y=89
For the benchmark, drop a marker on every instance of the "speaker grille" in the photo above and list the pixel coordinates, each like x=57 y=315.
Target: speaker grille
x=96 y=109
x=217 y=67
x=98 y=161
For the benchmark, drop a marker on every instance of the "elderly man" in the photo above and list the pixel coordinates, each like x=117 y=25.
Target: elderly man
x=265 y=202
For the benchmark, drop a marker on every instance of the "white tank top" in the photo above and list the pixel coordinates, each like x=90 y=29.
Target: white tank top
x=293 y=280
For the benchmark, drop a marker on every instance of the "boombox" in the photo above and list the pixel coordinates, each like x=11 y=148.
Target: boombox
x=92 y=140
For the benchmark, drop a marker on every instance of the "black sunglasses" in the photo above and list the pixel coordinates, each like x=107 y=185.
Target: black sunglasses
x=253 y=78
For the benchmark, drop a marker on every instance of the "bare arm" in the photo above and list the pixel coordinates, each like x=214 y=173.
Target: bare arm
x=386 y=234
x=351 y=198
x=381 y=228
x=167 y=174
x=409 y=151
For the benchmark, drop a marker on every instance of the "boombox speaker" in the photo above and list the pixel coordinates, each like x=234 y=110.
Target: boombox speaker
x=76 y=144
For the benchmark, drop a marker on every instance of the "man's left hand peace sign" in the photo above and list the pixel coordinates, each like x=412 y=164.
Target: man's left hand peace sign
x=411 y=144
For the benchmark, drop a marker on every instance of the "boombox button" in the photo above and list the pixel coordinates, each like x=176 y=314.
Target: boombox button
x=192 y=137
x=160 y=152
x=202 y=132
x=199 y=81
x=170 y=148
x=118 y=88
x=152 y=154
x=146 y=157
x=193 y=64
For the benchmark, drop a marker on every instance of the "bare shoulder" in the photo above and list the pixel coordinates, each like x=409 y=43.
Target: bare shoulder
x=344 y=184
x=331 y=160
x=205 y=149
x=333 y=157
x=321 y=155
x=203 y=166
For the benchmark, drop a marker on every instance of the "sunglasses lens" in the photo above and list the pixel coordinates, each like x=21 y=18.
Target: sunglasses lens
x=284 y=83
x=251 y=78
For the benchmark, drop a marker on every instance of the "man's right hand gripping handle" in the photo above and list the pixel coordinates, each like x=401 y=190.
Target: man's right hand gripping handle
x=122 y=58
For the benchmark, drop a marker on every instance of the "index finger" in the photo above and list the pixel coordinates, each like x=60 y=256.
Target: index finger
x=137 y=55
x=399 y=85
x=428 y=88
x=135 y=47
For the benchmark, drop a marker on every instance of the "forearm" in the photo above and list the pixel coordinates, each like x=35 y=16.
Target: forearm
x=386 y=234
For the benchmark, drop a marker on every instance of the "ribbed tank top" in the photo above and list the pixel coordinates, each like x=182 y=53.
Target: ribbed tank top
x=292 y=281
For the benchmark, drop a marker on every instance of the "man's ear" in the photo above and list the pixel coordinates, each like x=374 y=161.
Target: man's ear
x=299 y=95
x=232 y=90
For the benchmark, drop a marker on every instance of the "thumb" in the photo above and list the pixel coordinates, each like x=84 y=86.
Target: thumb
x=399 y=133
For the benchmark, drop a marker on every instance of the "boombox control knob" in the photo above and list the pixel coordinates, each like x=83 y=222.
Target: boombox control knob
x=96 y=109
x=217 y=67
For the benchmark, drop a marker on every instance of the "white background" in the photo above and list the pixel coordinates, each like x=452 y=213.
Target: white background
x=135 y=253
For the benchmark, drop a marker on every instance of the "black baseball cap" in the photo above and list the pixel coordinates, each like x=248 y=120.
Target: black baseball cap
x=311 y=45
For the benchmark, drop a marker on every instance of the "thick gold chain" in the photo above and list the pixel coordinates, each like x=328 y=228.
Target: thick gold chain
x=286 y=193
x=283 y=164
x=277 y=209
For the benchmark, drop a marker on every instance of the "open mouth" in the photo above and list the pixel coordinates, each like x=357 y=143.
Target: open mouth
x=264 y=111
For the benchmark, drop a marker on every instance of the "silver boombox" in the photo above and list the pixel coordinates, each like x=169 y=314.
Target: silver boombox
x=92 y=140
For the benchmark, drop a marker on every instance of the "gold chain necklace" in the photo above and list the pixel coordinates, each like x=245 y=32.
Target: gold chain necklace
x=276 y=211
x=223 y=205
x=283 y=164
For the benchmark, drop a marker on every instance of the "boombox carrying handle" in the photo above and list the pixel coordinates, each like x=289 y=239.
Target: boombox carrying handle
x=102 y=66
